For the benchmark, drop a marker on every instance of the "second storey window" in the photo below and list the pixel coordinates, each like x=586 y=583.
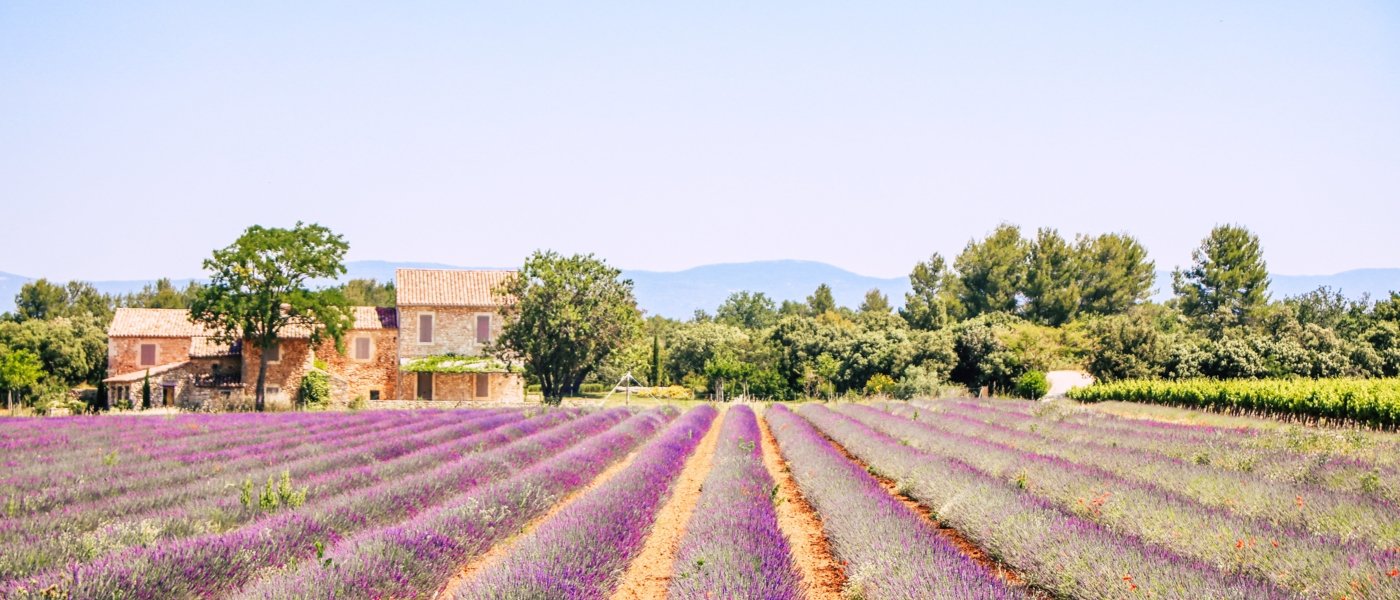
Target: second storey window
x=274 y=352
x=483 y=329
x=425 y=329
x=148 y=355
x=362 y=348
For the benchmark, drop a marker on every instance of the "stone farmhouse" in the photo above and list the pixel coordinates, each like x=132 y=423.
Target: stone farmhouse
x=430 y=347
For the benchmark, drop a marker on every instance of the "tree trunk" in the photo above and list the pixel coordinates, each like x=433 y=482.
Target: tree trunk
x=259 y=400
x=10 y=401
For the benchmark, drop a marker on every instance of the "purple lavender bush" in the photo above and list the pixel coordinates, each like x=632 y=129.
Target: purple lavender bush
x=889 y=551
x=417 y=557
x=733 y=547
x=1055 y=550
x=581 y=551
x=213 y=564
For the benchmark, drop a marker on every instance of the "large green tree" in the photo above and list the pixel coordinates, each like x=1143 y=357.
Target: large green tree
x=875 y=303
x=1227 y=283
x=992 y=271
x=1115 y=274
x=42 y=300
x=162 y=294
x=821 y=301
x=1052 y=287
x=750 y=310
x=369 y=292
x=260 y=288
x=566 y=317
x=930 y=303
x=19 y=370
x=72 y=349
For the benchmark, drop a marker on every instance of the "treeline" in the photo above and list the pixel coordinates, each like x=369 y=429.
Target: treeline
x=56 y=337
x=1011 y=304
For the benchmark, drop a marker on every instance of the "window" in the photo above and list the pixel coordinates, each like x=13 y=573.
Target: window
x=148 y=355
x=483 y=329
x=272 y=390
x=425 y=386
x=363 y=348
x=483 y=385
x=425 y=329
x=374 y=394
x=274 y=353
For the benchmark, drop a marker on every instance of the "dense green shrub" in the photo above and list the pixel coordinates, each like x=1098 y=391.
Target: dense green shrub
x=879 y=383
x=1374 y=402
x=1032 y=385
x=315 y=390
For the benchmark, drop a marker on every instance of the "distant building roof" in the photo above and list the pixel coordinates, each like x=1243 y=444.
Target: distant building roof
x=440 y=287
x=134 y=376
x=206 y=346
x=152 y=322
x=374 y=317
x=175 y=323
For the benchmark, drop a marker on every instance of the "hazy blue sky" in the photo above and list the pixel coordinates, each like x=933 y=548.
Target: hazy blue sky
x=135 y=137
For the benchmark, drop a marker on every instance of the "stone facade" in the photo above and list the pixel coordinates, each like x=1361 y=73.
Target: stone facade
x=377 y=376
x=124 y=353
x=283 y=376
x=462 y=387
x=454 y=330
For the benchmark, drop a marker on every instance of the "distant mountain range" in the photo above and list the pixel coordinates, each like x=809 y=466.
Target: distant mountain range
x=678 y=294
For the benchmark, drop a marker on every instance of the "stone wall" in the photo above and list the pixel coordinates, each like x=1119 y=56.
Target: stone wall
x=379 y=373
x=124 y=353
x=284 y=374
x=454 y=330
x=461 y=387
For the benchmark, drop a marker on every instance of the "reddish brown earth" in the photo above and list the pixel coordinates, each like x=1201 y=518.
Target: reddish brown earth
x=500 y=550
x=969 y=548
x=821 y=572
x=649 y=574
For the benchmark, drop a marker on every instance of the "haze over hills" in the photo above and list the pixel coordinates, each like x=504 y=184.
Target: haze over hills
x=678 y=294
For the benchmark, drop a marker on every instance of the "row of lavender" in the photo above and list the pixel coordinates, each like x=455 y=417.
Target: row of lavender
x=202 y=498
x=1347 y=460
x=384 y=493
x=1104 y=518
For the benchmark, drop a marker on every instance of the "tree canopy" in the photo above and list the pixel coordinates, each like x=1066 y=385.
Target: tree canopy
x=260 y=288
x=991 y=272
x=568 y=316
x=1228 y=282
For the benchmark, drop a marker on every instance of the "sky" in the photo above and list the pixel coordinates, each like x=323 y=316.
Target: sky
x=136 y=137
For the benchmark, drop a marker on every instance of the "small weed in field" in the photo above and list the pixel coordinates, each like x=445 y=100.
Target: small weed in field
x=110 y=459
x=1370 y=483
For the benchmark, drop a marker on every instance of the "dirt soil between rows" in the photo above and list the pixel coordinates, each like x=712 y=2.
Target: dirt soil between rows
x=969 y=548
x=498 y=551
x=649 y=574
x=822 y=575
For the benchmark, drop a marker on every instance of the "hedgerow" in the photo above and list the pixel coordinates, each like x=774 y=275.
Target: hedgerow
x=1373 y=402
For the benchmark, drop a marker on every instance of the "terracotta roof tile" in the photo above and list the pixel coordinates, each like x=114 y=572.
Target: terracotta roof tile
x=152 y=322
x=205 y=346
x=441 y=287
x=135 y=376
x=375 y=317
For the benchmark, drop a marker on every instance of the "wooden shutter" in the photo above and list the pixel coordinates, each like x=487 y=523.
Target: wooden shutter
x=483 y=385
x=425 y=329
x=362 y=348
x=483 y=329
x=148 y=354
x=274 y=352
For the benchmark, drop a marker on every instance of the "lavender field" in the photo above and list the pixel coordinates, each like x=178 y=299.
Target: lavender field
x=926 y=499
